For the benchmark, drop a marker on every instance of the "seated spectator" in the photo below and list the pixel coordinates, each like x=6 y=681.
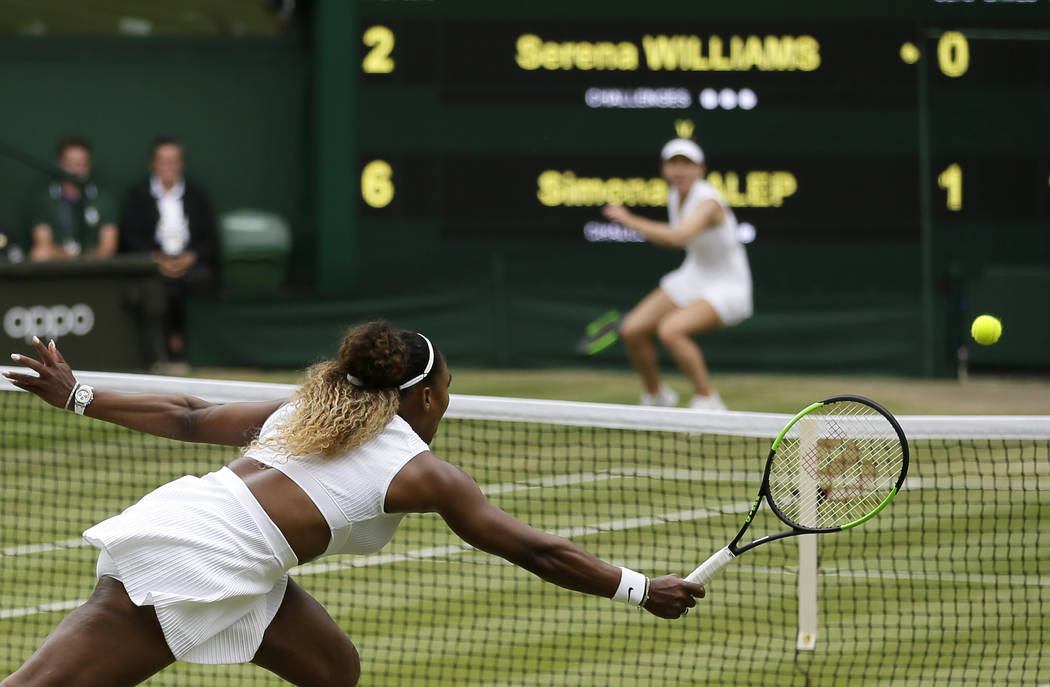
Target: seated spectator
x=68 y=219
x=10 y=248
x=171 y=218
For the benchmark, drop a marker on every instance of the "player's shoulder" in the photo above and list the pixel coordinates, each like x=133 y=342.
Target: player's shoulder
x=427 y=467
x=426 y=483
x=705 y=189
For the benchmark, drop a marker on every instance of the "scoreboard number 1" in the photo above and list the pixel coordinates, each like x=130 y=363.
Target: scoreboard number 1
x=951 y=180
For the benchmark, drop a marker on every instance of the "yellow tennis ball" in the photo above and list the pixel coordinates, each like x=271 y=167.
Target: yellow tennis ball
x=986 y=330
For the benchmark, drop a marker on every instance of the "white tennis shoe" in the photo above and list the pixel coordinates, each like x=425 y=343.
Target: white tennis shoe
x=666 y=396
x=712 y=402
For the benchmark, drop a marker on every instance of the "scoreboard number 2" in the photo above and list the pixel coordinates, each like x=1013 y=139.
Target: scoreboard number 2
x=378 y=60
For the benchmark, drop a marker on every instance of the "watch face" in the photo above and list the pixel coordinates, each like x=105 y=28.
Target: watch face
x=84 y=395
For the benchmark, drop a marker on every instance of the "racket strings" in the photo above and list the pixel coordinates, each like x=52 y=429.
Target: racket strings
x=840 y=465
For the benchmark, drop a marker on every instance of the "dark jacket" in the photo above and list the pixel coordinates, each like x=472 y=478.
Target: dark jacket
x=138 y=223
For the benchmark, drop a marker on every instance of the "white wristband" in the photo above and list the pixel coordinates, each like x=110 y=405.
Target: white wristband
x=633 y=587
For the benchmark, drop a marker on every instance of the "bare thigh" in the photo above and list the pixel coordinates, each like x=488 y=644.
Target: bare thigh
x=108 y=642
x=695 y=318
x=304 y=645
x=644 y=318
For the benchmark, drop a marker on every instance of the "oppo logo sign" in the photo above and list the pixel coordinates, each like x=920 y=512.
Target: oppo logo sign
x=48 y=322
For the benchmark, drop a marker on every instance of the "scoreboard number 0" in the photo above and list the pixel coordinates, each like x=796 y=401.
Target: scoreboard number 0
x=953 y=54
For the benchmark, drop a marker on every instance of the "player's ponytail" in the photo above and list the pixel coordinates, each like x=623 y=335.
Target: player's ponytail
x=346 y=401
x=373 y=356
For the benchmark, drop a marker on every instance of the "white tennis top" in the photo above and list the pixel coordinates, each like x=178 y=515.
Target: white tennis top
x=349 y=489
x=715 y=253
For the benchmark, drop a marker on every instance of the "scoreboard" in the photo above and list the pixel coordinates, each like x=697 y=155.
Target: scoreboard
x=805 y=122
x=909 y=136
x=539 y=123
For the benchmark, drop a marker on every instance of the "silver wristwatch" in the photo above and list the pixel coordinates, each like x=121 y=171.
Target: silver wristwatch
x=82 y=398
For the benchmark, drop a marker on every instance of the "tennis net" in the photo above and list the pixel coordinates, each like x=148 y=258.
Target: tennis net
x=949 y=586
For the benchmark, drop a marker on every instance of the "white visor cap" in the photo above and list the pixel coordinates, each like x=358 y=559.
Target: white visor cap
x=683 y=147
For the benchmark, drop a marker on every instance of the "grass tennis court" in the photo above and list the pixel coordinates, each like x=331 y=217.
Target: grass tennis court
x=948 y=586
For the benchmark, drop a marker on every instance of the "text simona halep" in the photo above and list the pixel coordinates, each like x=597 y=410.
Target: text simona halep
x=755 y=189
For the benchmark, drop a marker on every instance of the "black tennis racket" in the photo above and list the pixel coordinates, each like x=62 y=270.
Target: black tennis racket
x=835 y=465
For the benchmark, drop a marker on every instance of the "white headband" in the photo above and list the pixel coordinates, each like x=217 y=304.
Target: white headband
x=426 y=370
x=415 y=380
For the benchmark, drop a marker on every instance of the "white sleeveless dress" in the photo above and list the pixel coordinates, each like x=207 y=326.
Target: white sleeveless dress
x=715 y=268
x=207 y=557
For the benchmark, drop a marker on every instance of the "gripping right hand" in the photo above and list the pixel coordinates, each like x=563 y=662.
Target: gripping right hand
x=671 y=597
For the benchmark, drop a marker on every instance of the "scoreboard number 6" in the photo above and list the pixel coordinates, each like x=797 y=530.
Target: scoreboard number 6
x=377 y=187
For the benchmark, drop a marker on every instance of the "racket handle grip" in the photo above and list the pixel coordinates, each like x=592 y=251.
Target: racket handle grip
x=711 y=567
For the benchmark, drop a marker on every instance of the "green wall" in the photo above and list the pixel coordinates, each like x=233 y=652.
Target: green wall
x=239 y=105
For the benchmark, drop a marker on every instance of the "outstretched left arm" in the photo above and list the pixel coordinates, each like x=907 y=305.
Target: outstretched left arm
x=173 y=416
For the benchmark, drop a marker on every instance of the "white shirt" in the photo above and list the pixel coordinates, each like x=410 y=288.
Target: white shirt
x=715 y=252
x=173 y=229
x=349 y=489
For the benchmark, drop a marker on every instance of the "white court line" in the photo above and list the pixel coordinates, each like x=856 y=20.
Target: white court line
x=910 y=484
x=967 y=578
x=25 y=549
x=1039 y=483
x=42 y=608
x=488 y=490
x=439 y=551
x=612 y=526
x=431 y=553
x=552 y=481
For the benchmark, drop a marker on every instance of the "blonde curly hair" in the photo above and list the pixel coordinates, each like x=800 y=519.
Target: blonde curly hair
x=333 y=415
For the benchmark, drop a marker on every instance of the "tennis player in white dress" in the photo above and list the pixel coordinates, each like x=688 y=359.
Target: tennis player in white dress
x=198 y=569
x=711 y=289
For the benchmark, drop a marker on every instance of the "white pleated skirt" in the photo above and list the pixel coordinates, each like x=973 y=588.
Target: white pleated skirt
x=205 y=555
x=729 y=295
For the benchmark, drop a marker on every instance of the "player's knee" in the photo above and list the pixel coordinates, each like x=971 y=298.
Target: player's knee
x=670 y=335
x=343 y=667
x=631 y=331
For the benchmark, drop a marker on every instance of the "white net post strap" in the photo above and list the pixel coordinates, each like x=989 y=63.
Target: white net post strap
x=807 y=543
